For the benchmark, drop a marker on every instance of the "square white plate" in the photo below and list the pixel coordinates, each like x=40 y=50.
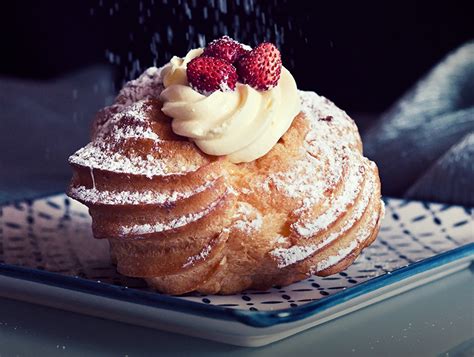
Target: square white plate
x=48 y=256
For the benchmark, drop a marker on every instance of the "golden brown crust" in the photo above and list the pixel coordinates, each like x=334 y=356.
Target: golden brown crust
x=186 y=221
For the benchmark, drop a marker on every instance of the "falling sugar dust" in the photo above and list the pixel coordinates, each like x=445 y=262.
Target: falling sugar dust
x=165 y=28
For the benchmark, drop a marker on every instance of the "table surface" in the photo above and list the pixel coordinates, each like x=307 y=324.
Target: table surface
x=435 y=319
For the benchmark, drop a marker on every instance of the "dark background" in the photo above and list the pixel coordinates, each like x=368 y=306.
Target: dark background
x=362 y=55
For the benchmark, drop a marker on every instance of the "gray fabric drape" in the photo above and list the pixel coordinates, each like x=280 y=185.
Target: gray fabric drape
x=423 y=145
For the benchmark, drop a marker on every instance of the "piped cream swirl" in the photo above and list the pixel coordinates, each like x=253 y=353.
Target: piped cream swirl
x=243 y=124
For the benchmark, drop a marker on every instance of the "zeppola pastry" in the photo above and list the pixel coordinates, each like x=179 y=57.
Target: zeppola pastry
x=215 y=174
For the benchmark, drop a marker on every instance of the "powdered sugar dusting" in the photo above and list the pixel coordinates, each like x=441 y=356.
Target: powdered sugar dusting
x=130 y=123
x=363 y=234
x=329 y=157
x=337 y=205
x=324 y=155
x=195 y=258
x=340 y=131
x=175 y=223
x=296 y=253
x=94 y=196
x=292 y=255
x=94 y=155
x=334 y=144
x=138 y=132
x=334 y=259
x=246 y=218
x=281 y=239
x=117 y=128
x=300 y=181
x=148 y=86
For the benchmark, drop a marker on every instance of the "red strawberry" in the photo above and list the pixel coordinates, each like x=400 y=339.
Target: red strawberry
x=208 y=74
x=225 y=48
x=261 y=68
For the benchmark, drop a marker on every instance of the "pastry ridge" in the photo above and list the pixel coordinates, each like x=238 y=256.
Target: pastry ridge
x=186 y=221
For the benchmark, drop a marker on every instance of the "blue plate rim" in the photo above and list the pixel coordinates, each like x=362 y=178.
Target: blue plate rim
x=260 y=319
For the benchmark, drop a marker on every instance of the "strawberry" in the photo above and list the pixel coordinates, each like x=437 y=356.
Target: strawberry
x=261 y=68
x=209 y=74
x=225 y=48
